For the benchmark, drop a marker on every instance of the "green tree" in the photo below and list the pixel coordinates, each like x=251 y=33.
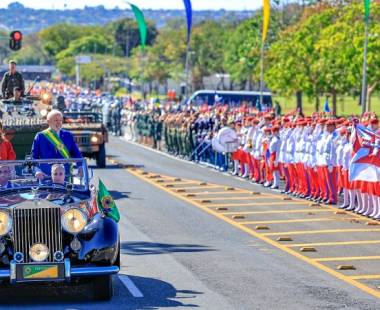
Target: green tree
x=126 y=34
x=292 y=59
x=208 y=46
x=58 y=37
x=341 y=50
x=243 y=49
x=32 y=52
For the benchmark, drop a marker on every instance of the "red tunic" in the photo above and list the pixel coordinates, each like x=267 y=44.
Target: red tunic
x=6 y=151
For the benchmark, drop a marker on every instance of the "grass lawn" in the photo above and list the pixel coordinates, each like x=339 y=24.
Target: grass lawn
x=346 y=105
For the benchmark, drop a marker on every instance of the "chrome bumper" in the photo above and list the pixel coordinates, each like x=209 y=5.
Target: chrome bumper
x=89 y=148
x=87 y=271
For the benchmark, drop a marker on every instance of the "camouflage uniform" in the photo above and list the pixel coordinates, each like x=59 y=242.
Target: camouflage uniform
x=9 y=82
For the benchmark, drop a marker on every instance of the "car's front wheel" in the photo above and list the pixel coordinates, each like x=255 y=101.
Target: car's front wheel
x=103 y=288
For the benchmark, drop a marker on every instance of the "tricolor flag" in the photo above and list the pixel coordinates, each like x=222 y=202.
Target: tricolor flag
x=365 y=162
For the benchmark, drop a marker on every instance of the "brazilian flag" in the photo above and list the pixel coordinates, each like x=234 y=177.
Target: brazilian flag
x=106 y=203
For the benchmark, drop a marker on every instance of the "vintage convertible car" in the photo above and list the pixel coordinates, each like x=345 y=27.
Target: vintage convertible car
x=53 y=230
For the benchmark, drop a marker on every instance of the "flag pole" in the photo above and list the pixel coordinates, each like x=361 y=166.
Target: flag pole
x=262 y=74
x=187 y=68
x=266 y=17
x=364 y=81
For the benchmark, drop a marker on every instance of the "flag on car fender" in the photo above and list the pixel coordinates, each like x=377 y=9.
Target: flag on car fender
x=106 y=203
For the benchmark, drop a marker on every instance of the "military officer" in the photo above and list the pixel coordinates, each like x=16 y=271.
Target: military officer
x=12 y=79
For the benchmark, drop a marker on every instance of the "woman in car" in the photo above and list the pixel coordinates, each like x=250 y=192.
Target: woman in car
x=6 y=148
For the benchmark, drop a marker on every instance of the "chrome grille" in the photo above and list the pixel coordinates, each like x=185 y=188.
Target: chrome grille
x=37 y=225
x=81 y=139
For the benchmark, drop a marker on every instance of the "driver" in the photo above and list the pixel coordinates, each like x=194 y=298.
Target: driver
x=17 y=94
x=12 y=79
x=58 y=174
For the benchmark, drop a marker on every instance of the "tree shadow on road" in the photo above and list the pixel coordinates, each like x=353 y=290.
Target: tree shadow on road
x=116 y=195
x=150 y=248
x=116 y=166
x=156 y=293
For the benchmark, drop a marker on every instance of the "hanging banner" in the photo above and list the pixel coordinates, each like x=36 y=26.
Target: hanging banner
x=189 y=15
x=367 y=4
x=266 y=16
x=143 y=28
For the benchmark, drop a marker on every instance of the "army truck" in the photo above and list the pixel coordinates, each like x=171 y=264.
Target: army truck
x=90 y=134
x=21 y=130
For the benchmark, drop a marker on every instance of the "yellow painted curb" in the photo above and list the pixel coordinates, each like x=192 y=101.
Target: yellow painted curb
x=340 y=212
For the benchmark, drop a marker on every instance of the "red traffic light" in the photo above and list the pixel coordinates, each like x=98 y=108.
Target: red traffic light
x=15 y=40
x=16 y=35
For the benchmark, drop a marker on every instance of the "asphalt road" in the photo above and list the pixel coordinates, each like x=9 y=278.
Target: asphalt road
x=181 y=253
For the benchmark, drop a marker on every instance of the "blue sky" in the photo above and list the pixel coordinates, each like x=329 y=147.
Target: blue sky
x=154 y=4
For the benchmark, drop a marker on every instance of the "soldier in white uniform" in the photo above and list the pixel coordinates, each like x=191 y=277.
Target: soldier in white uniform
x=274 y=150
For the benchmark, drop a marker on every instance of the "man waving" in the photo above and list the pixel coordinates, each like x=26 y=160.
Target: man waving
x=54 y=143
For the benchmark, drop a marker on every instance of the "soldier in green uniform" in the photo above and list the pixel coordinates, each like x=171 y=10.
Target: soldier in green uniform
x=165 y=129
x=157 y=131
x=12 y=79
x=139 y=125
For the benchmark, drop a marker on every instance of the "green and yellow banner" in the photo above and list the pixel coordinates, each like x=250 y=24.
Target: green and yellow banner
x=106 y=203
x=266 y=16
x=367 y=4
x=143 y=28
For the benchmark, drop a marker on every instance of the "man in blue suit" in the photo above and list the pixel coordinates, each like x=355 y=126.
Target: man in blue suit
x=54 y=143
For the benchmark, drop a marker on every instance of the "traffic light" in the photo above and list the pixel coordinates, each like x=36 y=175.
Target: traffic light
x=15 y=40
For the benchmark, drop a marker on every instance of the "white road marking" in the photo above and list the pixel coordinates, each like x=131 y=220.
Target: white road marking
x=130 y=286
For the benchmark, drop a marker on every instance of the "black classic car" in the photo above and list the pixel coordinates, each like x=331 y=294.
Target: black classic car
x=52 y=228
x=90 y=134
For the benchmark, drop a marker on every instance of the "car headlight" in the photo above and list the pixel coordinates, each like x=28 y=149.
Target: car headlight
x=39 y=252
x=5 y=223
x=94 y=139
x=74 y=220
x=45 y=97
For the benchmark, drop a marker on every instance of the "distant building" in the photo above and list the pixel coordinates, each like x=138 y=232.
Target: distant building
x=31 y=72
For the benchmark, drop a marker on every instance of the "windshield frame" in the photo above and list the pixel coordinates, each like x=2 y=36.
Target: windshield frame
x=79 y=162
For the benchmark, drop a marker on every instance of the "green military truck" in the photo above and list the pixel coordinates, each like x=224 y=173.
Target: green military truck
x=20 y=131
x=89 y=133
